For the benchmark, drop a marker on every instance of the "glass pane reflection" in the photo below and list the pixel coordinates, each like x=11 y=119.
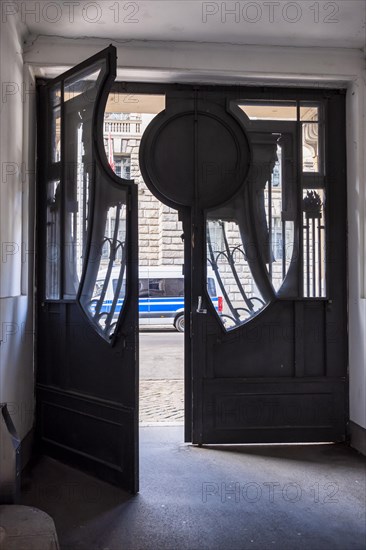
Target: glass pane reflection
x=104 y=285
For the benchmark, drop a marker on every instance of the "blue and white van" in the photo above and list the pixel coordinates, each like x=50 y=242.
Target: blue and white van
x=161 y=296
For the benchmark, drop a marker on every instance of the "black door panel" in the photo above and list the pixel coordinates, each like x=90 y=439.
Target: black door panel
x=254 y=411
x=87 y=353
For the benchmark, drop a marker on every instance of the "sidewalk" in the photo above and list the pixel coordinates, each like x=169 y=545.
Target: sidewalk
x=161 y=401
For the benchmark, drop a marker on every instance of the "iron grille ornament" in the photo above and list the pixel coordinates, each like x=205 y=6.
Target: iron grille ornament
x=312 y=205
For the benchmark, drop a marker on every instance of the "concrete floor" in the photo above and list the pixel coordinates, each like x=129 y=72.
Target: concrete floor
x=219 y=498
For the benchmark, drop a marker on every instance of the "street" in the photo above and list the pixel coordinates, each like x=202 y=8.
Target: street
x=161 y=377
x=161 y=355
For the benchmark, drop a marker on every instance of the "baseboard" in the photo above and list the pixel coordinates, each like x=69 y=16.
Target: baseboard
x=26 y=449
x=358 y=437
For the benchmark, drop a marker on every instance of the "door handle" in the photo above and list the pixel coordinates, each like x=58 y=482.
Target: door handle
x=199 y=306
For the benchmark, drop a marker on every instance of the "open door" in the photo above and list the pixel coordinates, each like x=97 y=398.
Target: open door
x=87 y=315
x=259 y=179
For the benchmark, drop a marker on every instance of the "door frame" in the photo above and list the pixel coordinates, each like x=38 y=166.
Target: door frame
x=233 y=92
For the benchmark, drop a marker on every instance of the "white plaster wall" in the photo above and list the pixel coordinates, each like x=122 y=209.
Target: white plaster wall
x=356 y=159
x=16 y=266
x=314 y=67
x=11 y=143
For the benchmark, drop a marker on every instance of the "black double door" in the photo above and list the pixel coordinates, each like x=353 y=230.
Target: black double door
x=258 y=178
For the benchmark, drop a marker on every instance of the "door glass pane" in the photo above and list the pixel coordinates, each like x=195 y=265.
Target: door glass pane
x=314 y=243
x=55 y=109
x=310 y=147
x=78 y=172
x=53 y=244
x=84 y=82
x=278 y=230
x=55 y=95
x=269 y=110
x=310 y=119
x=56 y=134
x=71 y=141
x=79 y=165
x=309 y=111
x=103 y=288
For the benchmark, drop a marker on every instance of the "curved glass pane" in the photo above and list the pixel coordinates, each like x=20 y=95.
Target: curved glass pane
x=233 y=258
x=251 y=240
x=104 y=285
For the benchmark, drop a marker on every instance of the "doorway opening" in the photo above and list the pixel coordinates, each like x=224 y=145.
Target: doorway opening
x=262 y=203
x=161 y=264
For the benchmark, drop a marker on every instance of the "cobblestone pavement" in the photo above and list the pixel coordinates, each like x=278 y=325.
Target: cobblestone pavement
x=161 y=401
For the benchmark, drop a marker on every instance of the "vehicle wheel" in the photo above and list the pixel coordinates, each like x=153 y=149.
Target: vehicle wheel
x=179 y=323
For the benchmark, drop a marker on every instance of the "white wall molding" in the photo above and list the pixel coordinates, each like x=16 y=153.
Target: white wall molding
x=186 y=61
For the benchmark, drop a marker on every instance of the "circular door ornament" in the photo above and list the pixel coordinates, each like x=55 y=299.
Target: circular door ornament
x=195 y=156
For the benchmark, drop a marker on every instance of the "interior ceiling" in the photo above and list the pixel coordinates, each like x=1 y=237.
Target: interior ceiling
x=282 y=23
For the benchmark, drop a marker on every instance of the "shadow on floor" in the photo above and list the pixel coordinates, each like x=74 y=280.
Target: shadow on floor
x=214 y=497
